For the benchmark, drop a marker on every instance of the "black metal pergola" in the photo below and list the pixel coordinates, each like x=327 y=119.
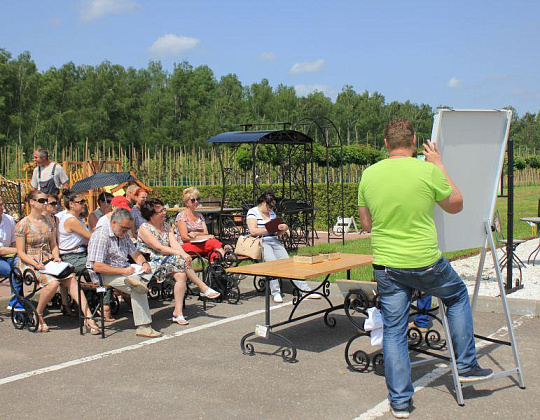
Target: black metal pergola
x=289 y=152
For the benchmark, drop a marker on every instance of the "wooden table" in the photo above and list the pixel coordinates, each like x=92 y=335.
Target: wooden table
x=287 y=269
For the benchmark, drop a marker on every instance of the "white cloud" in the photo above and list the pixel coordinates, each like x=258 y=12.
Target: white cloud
x=307 y=67
x=455 y=83
x=305 y=90
x=95 y=9
x=55 y=21
x=170 y=46
x=267 y=56
x=518 y=91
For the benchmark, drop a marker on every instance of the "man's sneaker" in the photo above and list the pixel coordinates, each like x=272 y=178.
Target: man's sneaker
x=277 y=298
x=17 y=309
x=401 y=413
x=147 y=331
x=475 y=374
x=136 y=284
x=413 y=325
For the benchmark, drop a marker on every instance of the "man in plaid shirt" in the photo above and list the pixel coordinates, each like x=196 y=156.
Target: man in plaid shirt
x=108 y=252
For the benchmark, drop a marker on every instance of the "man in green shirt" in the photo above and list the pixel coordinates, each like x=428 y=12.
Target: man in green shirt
x=396 y=200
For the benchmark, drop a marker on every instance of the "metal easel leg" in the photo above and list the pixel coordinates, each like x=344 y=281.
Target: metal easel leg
x=479 y=276
x=502 y=291
x=452 y=355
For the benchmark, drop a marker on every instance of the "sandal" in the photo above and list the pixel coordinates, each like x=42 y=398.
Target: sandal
x=107 y=317
x=180 y=320
x=211 y=293
x=92 y=329
x=42 y=327
x=67 y=311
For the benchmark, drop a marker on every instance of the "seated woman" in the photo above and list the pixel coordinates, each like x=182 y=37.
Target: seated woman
x=140 y=197
x=104 y=203
x=51 y=214
x=36 y=244
x=192 y=229
x=167 y=257
x=273 y=249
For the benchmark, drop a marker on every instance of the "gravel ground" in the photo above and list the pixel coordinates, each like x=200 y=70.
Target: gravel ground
x=468 y=267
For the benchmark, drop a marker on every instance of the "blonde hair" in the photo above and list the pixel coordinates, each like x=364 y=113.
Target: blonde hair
x=190 y=193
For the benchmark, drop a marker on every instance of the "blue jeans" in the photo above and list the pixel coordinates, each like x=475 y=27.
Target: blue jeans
x=395 y=288
x=422 y=320
x=5 y=271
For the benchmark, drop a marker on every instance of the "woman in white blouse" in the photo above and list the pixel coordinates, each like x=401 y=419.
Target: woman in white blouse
x=273 y=249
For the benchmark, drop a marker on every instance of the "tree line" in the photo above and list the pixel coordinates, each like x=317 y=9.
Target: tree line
x=108 y=104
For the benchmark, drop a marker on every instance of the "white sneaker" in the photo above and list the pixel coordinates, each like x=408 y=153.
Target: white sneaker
x=277 y=298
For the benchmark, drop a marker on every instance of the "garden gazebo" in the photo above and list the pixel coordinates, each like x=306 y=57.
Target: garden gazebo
x=284 y=157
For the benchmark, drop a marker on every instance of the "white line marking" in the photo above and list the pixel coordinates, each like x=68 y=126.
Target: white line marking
x=145 y=343
x=384 y=406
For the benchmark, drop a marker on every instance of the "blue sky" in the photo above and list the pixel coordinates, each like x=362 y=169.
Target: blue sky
x=464 y=54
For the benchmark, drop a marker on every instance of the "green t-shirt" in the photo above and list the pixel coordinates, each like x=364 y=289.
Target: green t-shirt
x=401 y=195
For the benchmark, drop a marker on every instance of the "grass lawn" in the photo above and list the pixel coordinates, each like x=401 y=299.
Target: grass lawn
x=525 y=204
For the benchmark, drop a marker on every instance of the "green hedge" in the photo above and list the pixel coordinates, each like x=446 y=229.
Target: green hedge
x=240 y=194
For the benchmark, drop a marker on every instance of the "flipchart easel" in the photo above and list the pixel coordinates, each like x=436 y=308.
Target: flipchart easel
x=467 y=139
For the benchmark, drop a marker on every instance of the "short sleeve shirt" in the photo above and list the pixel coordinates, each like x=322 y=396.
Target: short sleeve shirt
x=60 y=176
x=7 y=230
x=192 y=226
x=401 y=195
x=107 y=248
x=254 y=213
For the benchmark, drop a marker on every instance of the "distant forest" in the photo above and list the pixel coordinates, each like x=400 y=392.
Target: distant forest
x=112 y=105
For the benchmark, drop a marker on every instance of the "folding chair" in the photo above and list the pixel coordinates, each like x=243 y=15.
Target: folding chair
x=343 y=224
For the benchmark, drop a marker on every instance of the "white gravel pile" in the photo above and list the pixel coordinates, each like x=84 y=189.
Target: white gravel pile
x=468 y=267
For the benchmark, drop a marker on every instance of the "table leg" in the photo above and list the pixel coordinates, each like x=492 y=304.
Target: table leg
x=288 y=353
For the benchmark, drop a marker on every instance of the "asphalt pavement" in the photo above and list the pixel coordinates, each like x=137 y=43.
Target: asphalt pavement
x=199 y=371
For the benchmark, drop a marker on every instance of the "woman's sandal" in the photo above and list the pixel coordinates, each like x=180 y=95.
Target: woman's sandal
x=180 y=320
x=92 y=329
x=42 y=327
x=211 y=294
x=67 y=311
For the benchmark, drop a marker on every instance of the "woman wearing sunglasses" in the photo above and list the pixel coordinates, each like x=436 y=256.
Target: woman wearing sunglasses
x=192 y=229
x=73 y=235
x=35 y=240
x=52 y=215
x=167 y=257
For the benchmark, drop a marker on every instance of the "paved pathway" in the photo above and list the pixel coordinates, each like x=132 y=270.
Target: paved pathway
x=199 y=372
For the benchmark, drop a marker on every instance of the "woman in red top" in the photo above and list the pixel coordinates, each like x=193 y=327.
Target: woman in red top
x=192 y=229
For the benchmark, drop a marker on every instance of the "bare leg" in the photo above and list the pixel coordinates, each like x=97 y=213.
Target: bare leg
x=45 y=295
x=179 y=293
x=194 y=278
x=64 y=294
x=71 y=284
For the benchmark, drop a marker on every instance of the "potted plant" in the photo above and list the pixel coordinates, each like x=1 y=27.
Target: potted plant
x=308 y=255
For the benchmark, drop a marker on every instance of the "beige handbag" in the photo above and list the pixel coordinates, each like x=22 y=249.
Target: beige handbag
x=249 y=246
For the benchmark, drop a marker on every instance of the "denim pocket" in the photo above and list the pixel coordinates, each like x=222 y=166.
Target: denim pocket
x=385 y=285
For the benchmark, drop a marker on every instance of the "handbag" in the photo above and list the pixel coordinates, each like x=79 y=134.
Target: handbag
x=249 y=246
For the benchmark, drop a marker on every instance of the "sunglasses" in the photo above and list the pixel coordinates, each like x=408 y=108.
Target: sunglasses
x=196 y=200
x=163 y=210
x=80 y=201
x=52 y=203
x=42 y=200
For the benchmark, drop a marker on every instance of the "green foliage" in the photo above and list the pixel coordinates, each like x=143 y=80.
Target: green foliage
x=74 y=105
x=308 y=251
x=519 y=163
